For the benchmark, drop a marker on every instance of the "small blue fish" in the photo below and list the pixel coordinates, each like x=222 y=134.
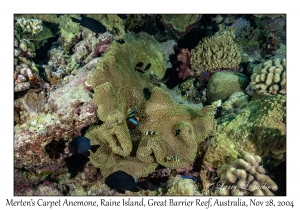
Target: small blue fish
x=190 y=177
x=81 y=145
x=133 y=121
x=121 y=181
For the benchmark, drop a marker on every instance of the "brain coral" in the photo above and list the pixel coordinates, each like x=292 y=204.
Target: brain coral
x=217 y=89
x=215 y=52
x=269 y=77
x=118 y=87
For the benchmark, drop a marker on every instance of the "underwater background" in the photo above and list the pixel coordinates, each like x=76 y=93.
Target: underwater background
x=185 y=104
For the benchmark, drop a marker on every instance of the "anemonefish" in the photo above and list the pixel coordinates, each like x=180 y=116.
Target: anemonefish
x=172 y=158
x=150 y=133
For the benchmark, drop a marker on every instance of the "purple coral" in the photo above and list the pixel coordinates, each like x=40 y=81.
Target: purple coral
x=184 y=68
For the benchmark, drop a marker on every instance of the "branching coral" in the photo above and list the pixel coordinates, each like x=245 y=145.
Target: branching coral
x=269 y=77
x=245 y=177
x=218 y=51
x=31 y=26
x=25 y=70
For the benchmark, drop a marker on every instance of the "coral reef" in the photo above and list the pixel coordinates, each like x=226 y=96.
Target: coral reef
x=25 y=70
x=168 y=49
x=218 y=51
x=68 y=110
x=249 y=48
x=112 y=21
x=240 y=24
x=33 y=101
x=180 y=23
x=31 y=26
x=70 y=33
x=245 y=177
x=184 y=187
x=217 y=89
x=219 y=144
x=259 y=128
x=121 y=90
x=56 y=68
x=269 y=77
x=184 y=69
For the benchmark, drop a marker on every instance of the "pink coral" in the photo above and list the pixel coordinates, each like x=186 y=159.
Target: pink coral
x=184 y=69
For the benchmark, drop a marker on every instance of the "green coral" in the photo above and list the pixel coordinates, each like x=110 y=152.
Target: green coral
x=180 y=21
x=218 y=89
x=259 y=128
x=112 y=21
x=69 y=33
x=220 y=150
x=218 y=51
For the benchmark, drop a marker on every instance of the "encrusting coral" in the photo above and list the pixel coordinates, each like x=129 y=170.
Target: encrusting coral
x=118 y=90
x=218 y=51
x=269 y=77
x=245 y=177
